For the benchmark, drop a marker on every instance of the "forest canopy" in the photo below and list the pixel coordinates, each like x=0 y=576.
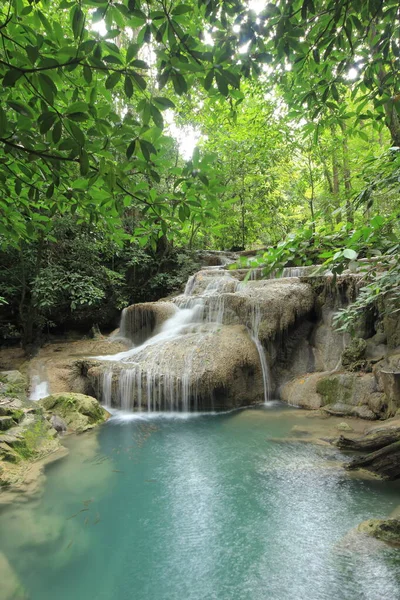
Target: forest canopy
x=295 y=106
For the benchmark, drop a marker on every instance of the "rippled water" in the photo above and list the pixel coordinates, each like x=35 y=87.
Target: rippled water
x=203 y=508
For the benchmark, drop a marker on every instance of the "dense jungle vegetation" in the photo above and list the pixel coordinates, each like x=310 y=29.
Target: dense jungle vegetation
x=295 y=109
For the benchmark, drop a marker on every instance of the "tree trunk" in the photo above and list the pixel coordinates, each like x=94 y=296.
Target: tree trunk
x=371 y=441
x=347 y=175
x=335 y=174
x=384 y=462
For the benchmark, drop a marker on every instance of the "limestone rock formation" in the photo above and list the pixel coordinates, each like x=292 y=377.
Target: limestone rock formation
x=79 y=412
x=302 y=391
x=338 y=393
x=386 y=530
x=140 y=321
x=217 y=368
x=25 y=433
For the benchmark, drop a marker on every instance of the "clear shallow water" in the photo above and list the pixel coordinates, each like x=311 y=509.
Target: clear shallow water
x=200 y=508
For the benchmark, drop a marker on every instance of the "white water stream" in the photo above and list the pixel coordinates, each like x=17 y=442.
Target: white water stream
x=200 y=307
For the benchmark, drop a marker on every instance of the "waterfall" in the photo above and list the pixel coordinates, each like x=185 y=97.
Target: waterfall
x=140 y=378
x=255 y=320
x=40 y=387
x=106 y=388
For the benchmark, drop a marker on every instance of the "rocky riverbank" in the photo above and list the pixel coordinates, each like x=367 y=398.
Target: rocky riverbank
x=31 y=432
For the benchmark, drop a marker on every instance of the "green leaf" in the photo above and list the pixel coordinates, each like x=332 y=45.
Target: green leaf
x=139 y=81
x=139 y=64
x=78 y=20
x=147 y=148
x=11 y=77
x=350 y=254
x=3 y=122
x=182 y=9
x=131 y=149
x=208 y=79
x=21 y=108
x=57 y=131
x=110 y=58
x=128 y=86
x=77 y=107
x=49 y=88
x=131 y=52
x=163 y=103
x=76 y=132
x=222 y=84
x=87 y=74
x=179 y=83
x=157 y=116
x=181 y=213
x=50 y=191
x=84 y=162
x=112 y=80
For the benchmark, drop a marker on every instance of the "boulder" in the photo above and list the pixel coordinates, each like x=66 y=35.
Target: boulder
x=391 y=385
x=385 y=530
x=302 y=391
x=211 y=367
x=338 y=409
x=338 y=393
x=79 y=412
x=343 y=426
x=354 y=353
x=391 y=327
x=58 y=424
x=140 y=321
x=32 y=439
x=270 y=307
x=13 y=384
x=352 y=394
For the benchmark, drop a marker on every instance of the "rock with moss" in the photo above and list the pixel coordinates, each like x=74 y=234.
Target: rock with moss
x=352 y=394
x=385 y=530
x=32 y=439
x=353 y=356
x=13 y=385
x=79 y=412
x=341 y=394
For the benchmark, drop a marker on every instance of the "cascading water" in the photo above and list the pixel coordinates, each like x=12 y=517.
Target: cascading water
x=255 y=330
x=140 y=378
x=40 y=387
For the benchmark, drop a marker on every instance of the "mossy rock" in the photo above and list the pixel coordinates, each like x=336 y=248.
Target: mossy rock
x=32 y=439
x=79 y=412
x=386 y=530
x=353 y=356
x=332 y=388
x=13 y=384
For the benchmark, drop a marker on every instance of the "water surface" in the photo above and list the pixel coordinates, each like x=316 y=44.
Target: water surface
x=200 y=508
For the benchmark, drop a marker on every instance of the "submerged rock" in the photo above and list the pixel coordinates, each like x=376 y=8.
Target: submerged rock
x=386 y=530
x=79 y=412
x=11 y=587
